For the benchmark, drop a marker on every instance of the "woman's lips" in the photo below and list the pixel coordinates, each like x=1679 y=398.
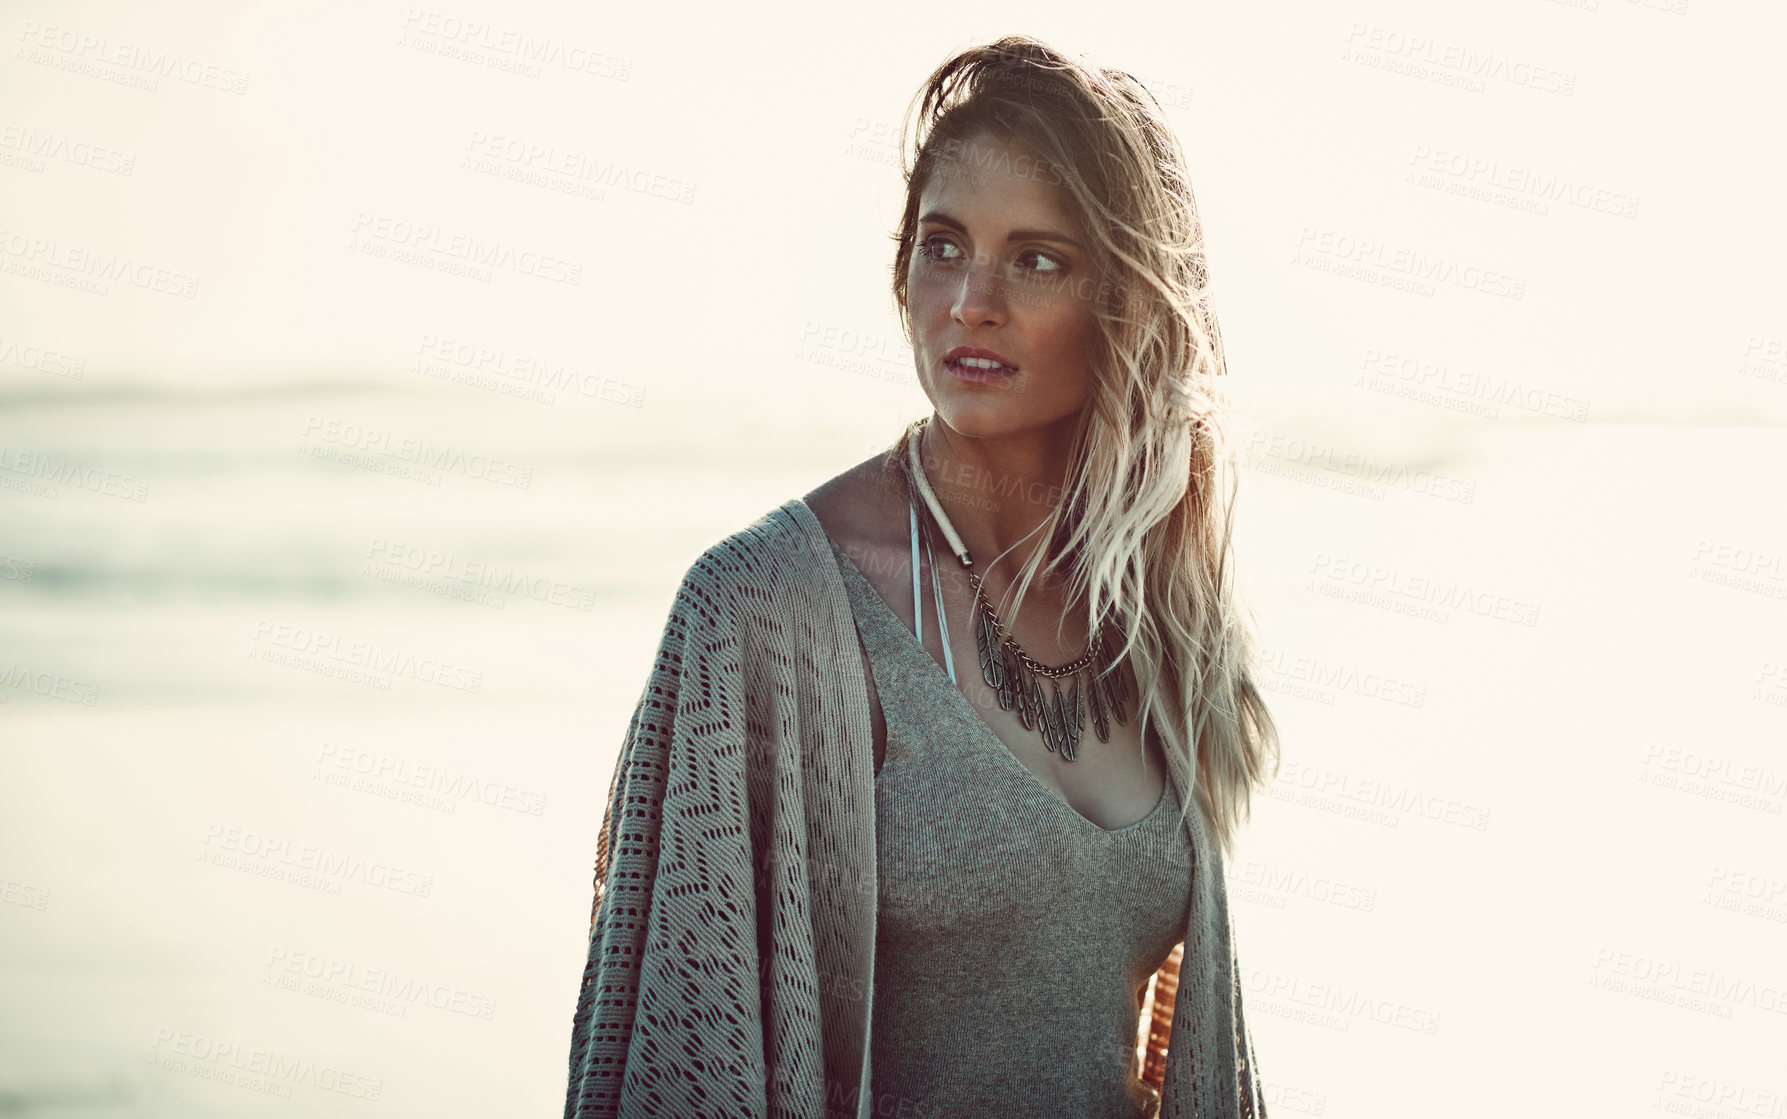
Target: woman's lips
x=976 y=375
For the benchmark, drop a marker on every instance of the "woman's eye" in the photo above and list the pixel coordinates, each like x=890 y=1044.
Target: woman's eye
x=1029 y=264
x=936 y=248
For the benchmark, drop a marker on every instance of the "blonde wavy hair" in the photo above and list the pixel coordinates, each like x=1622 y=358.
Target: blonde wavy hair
x=1143 y=526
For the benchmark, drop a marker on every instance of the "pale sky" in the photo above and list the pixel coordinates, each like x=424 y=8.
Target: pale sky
x=352 y=120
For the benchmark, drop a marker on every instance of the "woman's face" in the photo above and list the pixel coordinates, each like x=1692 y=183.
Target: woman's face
x=999 y=266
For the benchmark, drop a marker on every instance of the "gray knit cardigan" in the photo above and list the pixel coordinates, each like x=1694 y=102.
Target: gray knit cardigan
x=732 y=942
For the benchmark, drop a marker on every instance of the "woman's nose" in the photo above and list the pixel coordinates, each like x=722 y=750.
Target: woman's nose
x=981 y=298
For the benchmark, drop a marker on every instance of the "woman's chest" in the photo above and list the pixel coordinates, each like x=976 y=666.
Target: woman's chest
x=969 y=846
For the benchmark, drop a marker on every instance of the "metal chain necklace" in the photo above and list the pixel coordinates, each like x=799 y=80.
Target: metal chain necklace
x=1014 y=674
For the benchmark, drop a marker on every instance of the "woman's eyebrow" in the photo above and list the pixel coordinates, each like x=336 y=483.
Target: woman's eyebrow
x=938 y=217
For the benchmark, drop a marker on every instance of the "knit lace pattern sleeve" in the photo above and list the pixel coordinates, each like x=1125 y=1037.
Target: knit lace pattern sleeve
x=662 y=1021
x=728 y=966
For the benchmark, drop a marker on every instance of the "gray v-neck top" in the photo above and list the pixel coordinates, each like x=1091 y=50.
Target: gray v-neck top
x=1012 y=933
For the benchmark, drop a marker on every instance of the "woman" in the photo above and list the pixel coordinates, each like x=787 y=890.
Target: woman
x=935 y=767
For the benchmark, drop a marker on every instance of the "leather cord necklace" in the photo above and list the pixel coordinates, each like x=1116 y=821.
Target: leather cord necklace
x=1015 y=676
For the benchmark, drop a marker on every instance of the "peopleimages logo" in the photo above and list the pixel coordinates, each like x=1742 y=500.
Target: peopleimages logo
x=345 y=979
x=28 y=356
x=1396 y=800
x=1451 y=63
x=1345 y=1006
x=252 y=1067
x=516 y=374
x=1367 y=470
x=1436 y=382
x=92 y=270
x=419 y=453
x=35 y=145
x=50 y=470
x=302 y=642
x=1385 y=583
x=1300 y=883
x=504 y=48
x=1694 y=988
x=1418 y=265
x=1523 y=182
x=50 y=685
x=383 y=774
x=431 y=242
x=99 y=56
x=430 y=562
x=310 y=858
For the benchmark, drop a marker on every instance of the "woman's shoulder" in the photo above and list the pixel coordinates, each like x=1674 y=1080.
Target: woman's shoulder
x=863 y=508
x=790 y=546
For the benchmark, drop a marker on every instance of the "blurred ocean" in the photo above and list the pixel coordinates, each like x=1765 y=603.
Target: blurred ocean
x=392 y=626
x=306 y=749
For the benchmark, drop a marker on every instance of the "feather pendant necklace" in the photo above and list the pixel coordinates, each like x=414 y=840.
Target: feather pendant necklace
x=1095 y=688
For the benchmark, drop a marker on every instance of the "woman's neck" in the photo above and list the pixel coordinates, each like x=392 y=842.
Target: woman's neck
x=996 y=492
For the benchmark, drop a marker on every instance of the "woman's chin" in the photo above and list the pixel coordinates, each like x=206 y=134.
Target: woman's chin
x=984 y=415
x=980 y=415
